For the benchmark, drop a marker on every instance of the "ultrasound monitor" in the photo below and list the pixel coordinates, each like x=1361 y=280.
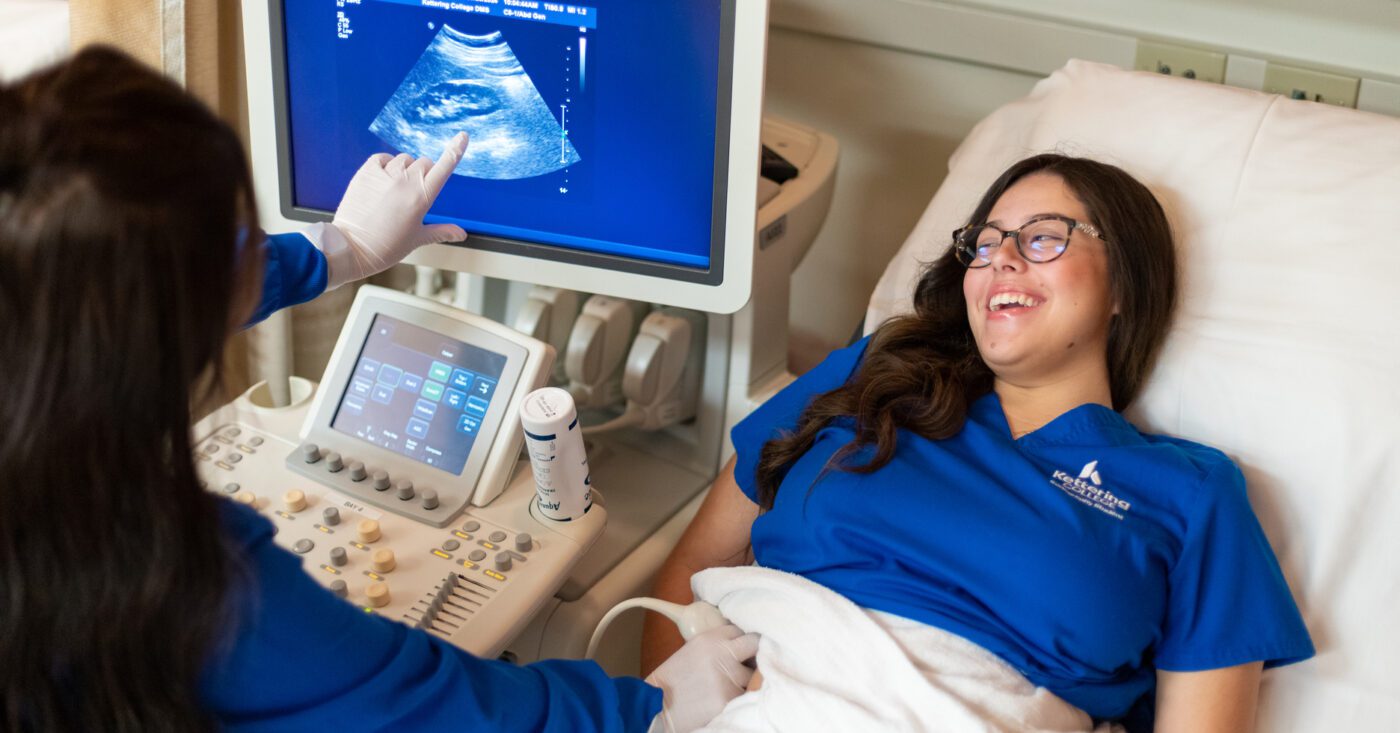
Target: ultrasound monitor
x=614 y=144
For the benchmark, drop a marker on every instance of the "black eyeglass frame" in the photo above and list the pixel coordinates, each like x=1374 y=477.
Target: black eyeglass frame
x=967 y=254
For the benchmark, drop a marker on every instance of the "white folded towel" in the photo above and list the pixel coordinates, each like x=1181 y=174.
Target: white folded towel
x=829 y=665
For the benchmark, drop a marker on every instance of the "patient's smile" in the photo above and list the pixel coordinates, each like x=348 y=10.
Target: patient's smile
x=1012 y=301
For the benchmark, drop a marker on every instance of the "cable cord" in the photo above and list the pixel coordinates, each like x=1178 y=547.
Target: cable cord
x=690 y=620
x=630 y=418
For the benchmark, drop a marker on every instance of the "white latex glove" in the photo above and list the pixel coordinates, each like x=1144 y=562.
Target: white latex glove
x=380 y=219
x=702 y=677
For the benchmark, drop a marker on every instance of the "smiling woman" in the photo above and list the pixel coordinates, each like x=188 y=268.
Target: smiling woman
x=1102 y=311
x=1000 y=495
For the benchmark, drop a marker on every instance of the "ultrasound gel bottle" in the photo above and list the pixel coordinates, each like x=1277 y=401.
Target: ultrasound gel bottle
x=554 y=440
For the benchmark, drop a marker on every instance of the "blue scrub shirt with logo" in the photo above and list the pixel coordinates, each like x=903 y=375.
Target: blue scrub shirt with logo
x=1086 y=554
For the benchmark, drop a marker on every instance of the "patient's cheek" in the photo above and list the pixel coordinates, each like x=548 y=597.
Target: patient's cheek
x=755 y=682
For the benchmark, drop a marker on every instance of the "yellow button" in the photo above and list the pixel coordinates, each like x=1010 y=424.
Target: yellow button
x=368 y=530
x=383 y=561
x=245 y=497
x=378 y=594
x=294 y=500
x=494 y=574
x=442 y=554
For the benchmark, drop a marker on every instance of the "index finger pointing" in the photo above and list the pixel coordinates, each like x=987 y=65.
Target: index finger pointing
x=446 y=163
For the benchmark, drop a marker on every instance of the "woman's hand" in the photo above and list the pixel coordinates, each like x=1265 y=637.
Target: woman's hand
x=380 y=219
x=703 y=676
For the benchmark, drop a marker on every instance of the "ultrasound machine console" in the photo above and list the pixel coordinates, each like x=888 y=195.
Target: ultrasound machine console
x=615 y=155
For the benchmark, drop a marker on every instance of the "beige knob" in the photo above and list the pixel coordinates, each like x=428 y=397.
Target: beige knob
x=378 y=594
x=245 y=497
x=294 y=500
x=368 y=530
x=383 y=561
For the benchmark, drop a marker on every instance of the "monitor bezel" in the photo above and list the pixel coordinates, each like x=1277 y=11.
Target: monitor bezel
x=725 y=286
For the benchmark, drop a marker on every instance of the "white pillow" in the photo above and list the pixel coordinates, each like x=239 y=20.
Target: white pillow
x=1285 y=352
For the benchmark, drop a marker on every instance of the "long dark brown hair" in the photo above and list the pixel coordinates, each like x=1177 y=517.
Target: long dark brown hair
x=922 y=371
x=122 y=203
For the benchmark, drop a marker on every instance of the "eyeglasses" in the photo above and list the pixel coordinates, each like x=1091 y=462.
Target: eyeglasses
x=1039 y=240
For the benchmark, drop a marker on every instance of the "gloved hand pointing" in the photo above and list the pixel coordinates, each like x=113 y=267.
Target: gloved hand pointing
x=380 y=219
x=702 y=677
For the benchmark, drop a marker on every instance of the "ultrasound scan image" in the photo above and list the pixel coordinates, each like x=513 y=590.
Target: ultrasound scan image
x=476 y=84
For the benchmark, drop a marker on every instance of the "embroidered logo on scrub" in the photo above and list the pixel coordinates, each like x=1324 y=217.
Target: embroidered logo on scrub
x=1087 y=488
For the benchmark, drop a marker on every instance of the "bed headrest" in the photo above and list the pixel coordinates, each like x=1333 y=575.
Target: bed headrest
x=1285 y=352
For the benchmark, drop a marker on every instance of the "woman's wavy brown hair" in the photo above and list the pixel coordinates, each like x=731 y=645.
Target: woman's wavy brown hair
x=922 y=371
x=123 y=201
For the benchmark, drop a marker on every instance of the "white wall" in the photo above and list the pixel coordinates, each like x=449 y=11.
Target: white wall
x=901 y=82
x=898 y=117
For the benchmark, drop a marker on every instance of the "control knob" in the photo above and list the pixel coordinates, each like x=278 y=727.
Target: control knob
x=383 y=561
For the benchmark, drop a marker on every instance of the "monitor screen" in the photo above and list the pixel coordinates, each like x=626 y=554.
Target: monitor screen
x=419 y=394
x=599 y=131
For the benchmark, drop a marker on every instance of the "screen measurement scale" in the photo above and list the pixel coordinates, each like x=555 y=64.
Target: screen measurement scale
x=378 y=482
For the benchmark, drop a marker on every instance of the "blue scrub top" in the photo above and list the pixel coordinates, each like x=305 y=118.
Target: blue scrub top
x=1086 y=554
x=294 y=271
x=299 y=659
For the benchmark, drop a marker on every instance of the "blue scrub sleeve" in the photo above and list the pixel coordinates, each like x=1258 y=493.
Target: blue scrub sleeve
x=303 y=660
x=780 y=413
x=1228 y=601
x=294 y=271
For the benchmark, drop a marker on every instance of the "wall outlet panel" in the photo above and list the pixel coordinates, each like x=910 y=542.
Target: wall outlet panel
x=1312 y=85
x=1182 y=61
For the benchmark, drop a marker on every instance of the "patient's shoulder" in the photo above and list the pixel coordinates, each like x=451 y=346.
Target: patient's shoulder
x=1190 y=458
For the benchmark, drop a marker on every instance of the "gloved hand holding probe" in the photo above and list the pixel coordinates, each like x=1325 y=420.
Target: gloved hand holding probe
x=702 y=677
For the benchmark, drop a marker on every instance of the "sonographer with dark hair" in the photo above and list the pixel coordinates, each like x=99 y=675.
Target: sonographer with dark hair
x=130 y=600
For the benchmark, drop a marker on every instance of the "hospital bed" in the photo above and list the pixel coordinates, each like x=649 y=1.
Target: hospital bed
x=1285 y=351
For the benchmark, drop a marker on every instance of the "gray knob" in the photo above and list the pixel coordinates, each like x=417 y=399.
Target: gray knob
x=405 y=490
x=303 y=546
x=381 y=481
x=523 y=542
x=357 y=471
x=310 y=452
x=503 y=561
x=331 y=516
x=429 y=499
x=497 y=536
x=338 y=587
x=338 y=557
x=471 y=526
x=232 y=488
x=333 y=462
x=476 y=555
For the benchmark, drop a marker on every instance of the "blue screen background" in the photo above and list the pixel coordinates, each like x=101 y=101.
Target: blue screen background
x=643 y=122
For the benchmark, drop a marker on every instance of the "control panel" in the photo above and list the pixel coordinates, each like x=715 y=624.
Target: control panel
x=475 y=582
x=399 y=481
